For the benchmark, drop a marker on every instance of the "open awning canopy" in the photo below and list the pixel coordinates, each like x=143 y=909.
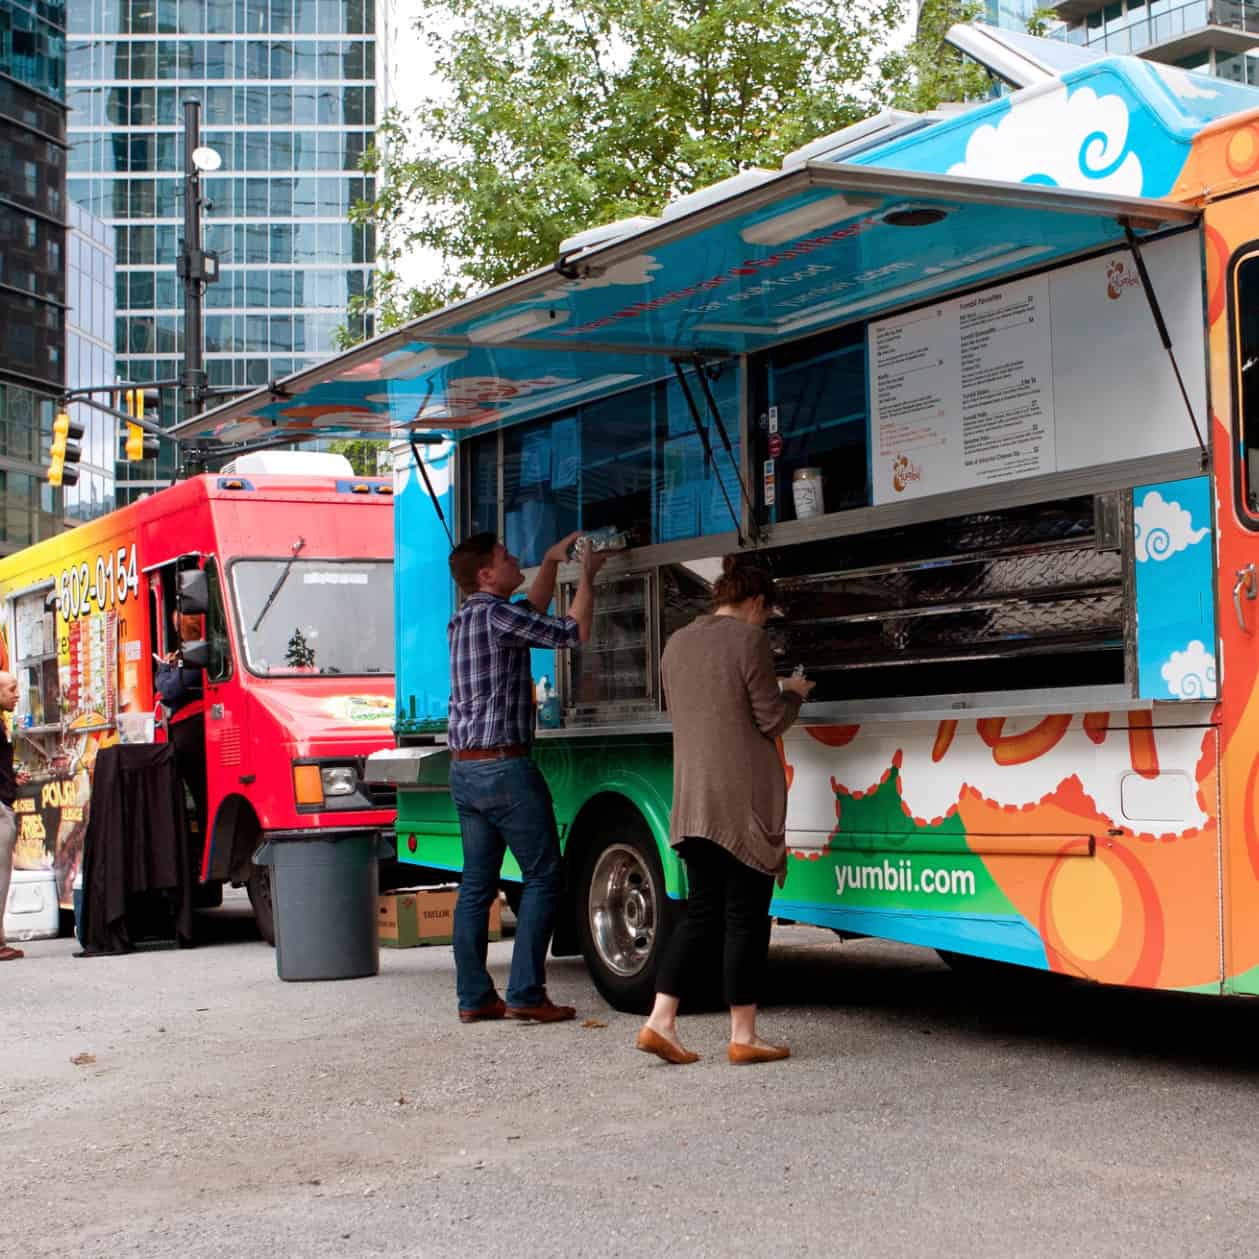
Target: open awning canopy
x=777 y=257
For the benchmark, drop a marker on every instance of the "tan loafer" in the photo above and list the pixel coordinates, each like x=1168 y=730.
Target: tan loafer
x=743 y=1055
x=651 y=1042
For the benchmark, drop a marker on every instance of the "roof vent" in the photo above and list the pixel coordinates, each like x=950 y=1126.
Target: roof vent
x=717 y=192
x=605 y=233
x=843 y=144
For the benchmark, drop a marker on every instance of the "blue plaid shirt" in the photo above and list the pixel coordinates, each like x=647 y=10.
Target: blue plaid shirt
x=491 y=685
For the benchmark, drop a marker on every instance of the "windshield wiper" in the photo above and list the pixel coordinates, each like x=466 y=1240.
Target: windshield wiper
x=283 y=577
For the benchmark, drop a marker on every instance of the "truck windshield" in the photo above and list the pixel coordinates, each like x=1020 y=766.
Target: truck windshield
x=328 y=616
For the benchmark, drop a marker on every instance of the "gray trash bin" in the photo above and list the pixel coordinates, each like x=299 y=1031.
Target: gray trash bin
x=323 y=896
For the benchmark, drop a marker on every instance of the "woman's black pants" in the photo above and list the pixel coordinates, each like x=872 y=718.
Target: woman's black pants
x=726 y=924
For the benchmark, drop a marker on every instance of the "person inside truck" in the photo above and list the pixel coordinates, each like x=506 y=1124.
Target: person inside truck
x=502 y=799
x=182 y=692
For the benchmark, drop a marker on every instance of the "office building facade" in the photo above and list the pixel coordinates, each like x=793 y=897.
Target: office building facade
x=32 y=262
x=1218 y=37
x=90 y=360
x=290 y=99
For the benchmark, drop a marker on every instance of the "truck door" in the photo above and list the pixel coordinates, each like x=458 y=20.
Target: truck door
x=1235 y=362
x=229 y=753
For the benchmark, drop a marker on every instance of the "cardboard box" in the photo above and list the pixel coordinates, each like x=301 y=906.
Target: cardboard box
x=425 y=915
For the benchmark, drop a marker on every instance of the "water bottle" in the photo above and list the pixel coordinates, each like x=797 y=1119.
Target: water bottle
x=548 y=705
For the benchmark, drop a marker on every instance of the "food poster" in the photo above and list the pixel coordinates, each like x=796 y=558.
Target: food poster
x=52 y=821
x=90 y=626
x=90 y=671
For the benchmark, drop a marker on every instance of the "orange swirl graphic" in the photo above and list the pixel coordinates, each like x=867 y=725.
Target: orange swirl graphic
x=1018 y=749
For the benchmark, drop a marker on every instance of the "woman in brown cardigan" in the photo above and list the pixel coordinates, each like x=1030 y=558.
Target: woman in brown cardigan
x=729 y=806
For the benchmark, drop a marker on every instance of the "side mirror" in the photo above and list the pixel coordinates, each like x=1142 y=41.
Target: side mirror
x=194 y=593
x=195 y=654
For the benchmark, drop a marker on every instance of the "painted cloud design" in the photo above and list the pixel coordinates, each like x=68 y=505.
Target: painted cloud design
x=436 y=459
x=1076 y=141
x=1190 y=674
x=1163 y=528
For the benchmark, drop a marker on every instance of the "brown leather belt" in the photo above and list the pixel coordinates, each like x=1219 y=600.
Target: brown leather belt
x=506 y=752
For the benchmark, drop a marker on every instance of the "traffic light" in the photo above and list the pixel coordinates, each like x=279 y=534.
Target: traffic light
x=141 y=445
x=65 y=451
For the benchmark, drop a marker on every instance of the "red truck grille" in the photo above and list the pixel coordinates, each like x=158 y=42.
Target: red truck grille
x=229 y=747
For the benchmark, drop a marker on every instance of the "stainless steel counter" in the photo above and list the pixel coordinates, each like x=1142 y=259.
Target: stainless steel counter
x=941 y=708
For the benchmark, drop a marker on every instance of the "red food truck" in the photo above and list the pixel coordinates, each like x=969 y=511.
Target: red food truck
x=286 y=562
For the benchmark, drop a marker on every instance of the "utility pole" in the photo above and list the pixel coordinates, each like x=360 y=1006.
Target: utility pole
x=196 y=267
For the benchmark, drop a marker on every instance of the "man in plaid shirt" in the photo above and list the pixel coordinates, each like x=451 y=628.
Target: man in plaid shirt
x=502 y=799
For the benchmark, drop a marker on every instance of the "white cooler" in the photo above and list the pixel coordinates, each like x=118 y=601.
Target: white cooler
x=32 y=912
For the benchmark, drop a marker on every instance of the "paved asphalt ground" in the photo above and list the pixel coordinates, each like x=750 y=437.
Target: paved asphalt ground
x=228 y=1114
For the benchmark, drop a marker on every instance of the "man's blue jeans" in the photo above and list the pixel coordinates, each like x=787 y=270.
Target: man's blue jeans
x=502 y=805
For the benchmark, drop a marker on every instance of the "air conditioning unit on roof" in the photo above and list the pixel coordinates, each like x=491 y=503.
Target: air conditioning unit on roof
x=289 y=463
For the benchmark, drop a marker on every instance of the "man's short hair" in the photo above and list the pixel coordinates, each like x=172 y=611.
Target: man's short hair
x=469 y=558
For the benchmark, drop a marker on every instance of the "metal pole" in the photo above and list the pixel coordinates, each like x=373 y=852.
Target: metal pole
x=191 y=267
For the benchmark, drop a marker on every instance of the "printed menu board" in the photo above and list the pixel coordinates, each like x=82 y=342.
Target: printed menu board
x=961 y=393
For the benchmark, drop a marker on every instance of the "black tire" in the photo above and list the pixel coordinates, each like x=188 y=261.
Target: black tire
x=624 y=917
x=259 y=889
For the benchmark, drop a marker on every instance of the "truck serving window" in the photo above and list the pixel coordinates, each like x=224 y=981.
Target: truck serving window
x=811 y=415
x=315 y=616
x=633 y=461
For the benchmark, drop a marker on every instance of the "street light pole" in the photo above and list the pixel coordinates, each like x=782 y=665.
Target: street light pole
x=194 y=371
x=196 y=267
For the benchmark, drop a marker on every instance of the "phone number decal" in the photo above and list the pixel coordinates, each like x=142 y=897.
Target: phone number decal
x=106 y=583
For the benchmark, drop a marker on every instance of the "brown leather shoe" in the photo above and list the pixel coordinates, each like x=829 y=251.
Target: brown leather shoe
x=546 y=1011
x=490 y=1010
x=743 y=1055
x=651 y=1042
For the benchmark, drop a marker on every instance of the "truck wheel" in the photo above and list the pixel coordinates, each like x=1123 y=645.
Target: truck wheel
x=259 y=888
x=624 y=917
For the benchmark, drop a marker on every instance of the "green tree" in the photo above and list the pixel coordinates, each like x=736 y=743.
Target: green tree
x=934 y=72
x=362 y=452
x=555 y=115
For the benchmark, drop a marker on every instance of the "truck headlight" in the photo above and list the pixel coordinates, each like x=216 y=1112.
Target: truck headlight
x=316 y=784
x=338 y=780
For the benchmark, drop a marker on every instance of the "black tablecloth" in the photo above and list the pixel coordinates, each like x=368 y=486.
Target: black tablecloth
x=135 y=858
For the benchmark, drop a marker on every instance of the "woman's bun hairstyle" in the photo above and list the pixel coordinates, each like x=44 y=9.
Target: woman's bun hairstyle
x=742 y=579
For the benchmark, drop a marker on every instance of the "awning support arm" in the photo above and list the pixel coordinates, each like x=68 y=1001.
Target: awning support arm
x=708 y=447
x=725 y=441
x=428 y=485
x=1134 y=247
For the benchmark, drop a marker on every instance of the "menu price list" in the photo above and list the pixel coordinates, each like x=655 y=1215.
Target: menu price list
x=962 y=393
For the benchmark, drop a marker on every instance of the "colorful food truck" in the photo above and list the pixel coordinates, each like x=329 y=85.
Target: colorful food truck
x=288 y=558
x=978 y=389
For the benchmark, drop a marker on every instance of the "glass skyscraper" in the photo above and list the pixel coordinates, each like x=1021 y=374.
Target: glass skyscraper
x=90 y=360
x=32 y=262
x=290 y=99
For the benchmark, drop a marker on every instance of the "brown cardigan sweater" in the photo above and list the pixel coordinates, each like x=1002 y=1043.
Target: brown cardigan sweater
x=728 y=781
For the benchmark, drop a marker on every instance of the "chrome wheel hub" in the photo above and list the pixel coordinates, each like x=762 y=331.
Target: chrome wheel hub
x=622 y=909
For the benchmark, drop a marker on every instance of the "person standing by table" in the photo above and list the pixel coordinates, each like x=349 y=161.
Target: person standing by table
x=729 y=806
x=8 y=819
x=502 y=799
